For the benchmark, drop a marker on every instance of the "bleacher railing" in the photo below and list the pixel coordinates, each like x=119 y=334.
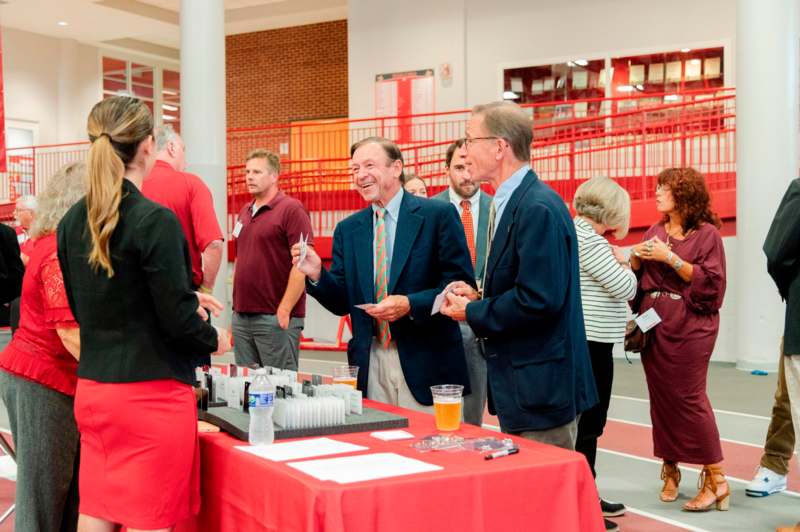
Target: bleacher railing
x=629 y=138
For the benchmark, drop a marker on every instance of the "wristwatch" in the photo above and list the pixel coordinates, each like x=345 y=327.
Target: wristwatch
x=678 y=264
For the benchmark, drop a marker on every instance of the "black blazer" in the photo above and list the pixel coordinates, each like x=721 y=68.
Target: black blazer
x=430 y=251
x=782 y=248
x=141 y=324
x=11 y=268
x=530 y=317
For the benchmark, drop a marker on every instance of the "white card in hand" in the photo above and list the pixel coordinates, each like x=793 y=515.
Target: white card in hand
x=437 y=303
x=365 y=306
x=648 y=320
x=237 y=229
x=303 y=242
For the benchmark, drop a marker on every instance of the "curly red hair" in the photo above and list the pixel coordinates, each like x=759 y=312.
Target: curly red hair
x=691 y=197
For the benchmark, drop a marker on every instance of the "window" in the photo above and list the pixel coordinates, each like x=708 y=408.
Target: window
x=158 y=87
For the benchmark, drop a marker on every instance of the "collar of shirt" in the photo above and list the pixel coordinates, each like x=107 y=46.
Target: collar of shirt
x=505 y=190
x=271 y=205
x=455 y=199
x=583 y=224
x=393 y=207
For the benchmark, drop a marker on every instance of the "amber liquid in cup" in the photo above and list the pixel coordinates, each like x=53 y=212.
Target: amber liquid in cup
x=345 y=380
x=447 y=411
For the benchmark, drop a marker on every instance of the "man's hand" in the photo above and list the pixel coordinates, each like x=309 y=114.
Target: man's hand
x=460 y=288
x=223 y=341
x=208 y=302
x=311 y=266
x=390 y=309
x=455 y=306
x=283 y=316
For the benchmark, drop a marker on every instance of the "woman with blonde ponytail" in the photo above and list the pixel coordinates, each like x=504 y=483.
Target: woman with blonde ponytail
x=126 y=273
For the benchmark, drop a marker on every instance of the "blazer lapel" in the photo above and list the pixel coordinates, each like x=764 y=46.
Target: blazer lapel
x=506 y=223
x=483 y=225
x=362 y=245
x=408 y=225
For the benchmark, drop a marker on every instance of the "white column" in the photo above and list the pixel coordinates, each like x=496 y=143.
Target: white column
x=203 y=109
x=766 y=153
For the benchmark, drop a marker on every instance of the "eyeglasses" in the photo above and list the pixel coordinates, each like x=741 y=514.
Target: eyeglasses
x=472 y=140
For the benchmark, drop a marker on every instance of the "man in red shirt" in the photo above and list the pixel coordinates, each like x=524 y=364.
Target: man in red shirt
x=269 y=301
x=25 y=212
x=190 y=199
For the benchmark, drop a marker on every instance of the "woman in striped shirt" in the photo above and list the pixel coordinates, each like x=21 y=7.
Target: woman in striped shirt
x=607 y=283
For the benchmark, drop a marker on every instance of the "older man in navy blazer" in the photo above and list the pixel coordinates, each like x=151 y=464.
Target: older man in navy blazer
x=472 y=205
x=395 y=256
x=529 y=318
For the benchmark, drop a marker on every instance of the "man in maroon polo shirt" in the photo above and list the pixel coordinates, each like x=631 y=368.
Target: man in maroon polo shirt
x=269 y=300
x=190 y=199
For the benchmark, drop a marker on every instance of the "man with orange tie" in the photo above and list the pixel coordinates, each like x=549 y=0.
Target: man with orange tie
x=389 y=262
x=473 y=206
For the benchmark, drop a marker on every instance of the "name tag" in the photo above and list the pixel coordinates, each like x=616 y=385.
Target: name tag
x=648 y=320
x=237 y=229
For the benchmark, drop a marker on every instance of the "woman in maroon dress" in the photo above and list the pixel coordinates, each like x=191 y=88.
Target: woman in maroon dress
x=681 y=269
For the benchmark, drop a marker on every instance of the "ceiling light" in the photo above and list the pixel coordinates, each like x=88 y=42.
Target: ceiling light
x=625 y=88
x=63 y=23
x=510 y=95
x=169 y=117
x=168 y=107
x=581 y=62
x=684 y=50
x=671 y=98
x=170 y=92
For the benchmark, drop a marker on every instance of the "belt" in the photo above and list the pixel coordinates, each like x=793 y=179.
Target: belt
x=671 y=295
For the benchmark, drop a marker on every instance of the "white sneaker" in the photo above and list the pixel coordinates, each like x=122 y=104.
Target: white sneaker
x=766 y=482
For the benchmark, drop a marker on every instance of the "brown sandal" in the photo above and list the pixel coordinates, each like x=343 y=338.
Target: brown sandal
x=710 y=479
x=671 y=476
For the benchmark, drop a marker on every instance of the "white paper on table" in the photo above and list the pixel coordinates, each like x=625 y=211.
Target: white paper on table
x=348 y=469
x=648 y=320
x=293 y=450
x=391 y=435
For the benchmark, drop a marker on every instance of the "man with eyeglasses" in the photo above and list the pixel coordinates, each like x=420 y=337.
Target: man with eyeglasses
x=528 y=318
x=390 y=261
x=473 y=206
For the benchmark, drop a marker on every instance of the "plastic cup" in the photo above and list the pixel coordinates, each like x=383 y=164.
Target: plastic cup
x=447 y=399
x=346 y=375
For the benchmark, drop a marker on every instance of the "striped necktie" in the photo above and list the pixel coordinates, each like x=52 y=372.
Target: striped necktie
x=381 y=284
x=489 y=238
x=469 y=230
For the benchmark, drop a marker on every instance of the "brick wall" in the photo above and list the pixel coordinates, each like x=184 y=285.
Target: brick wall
x=277 y=76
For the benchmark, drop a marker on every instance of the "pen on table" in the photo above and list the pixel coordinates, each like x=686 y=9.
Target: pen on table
x=504 y=452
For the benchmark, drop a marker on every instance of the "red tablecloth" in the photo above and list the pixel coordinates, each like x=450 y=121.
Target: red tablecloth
x=541 y=488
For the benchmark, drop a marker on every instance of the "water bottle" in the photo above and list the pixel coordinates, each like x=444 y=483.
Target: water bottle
x=261 y=403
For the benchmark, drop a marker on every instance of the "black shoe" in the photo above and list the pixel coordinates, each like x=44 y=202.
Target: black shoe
x=611 y=525
x=612 y=509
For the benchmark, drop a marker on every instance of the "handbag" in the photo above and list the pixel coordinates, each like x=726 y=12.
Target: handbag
x=635 y=338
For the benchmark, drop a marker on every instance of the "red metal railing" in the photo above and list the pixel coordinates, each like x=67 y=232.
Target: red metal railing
x=628 y=138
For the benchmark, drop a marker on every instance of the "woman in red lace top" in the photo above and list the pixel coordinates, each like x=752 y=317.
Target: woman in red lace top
x=38 y=376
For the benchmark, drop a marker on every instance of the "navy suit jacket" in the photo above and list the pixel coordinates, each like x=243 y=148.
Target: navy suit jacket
x=484 y=205
x=530 y=317
x=429 y=252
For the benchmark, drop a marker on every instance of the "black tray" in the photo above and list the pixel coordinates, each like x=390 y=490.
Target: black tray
x=237 y=423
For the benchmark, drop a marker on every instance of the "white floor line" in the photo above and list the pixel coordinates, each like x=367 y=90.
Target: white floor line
x=663 y=519
x=647 y=425
x=686 y=468
x=716 y=410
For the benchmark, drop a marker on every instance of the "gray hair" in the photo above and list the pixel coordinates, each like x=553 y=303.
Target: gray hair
x=27 y=202
x=164 y=135
x=508 y=121
x=604 y=201
x=63 y=190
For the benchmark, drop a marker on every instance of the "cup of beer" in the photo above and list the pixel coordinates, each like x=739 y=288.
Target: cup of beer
x=447 y=400
x=345 y=375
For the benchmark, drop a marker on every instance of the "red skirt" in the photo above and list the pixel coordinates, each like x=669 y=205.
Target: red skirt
x=140 y=458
